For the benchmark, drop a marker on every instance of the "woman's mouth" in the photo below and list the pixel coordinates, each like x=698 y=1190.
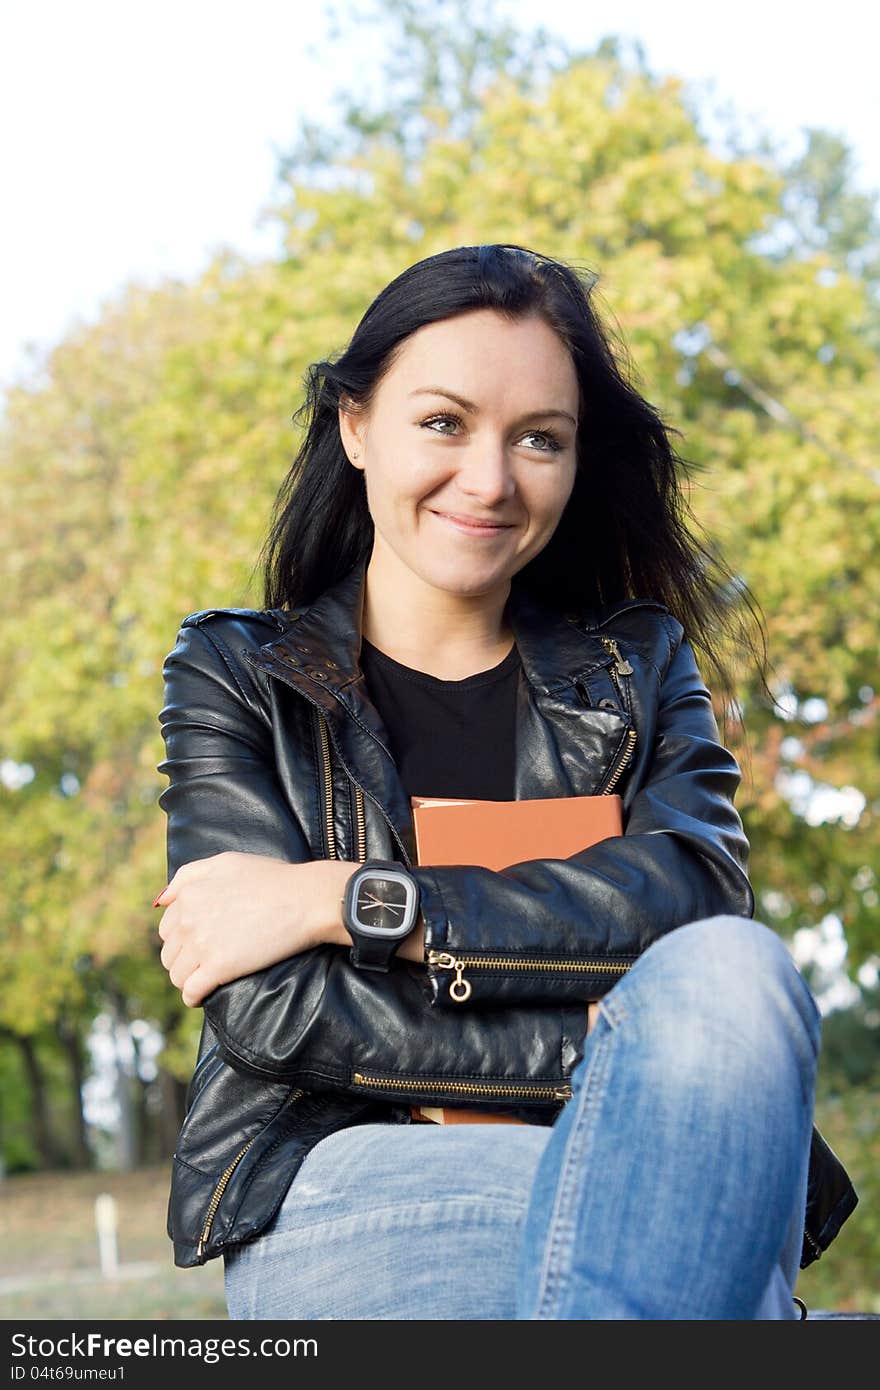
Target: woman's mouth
x=469 y=526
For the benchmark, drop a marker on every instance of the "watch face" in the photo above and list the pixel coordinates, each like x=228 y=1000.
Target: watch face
x=381 y=903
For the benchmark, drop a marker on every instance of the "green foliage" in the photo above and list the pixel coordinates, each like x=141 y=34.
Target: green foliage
x=19 y=1144
x=828 y=214
x=18 y=1152
x=851 y=1047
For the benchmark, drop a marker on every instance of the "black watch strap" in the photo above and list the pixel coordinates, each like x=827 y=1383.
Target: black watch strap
x=371 y=953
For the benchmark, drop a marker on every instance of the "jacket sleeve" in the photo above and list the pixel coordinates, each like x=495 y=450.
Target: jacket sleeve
x=566 y=929
x=314 y=1018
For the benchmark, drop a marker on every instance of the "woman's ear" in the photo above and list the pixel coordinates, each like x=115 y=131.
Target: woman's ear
x=351 y=431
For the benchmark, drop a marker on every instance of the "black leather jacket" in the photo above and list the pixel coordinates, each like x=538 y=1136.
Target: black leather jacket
x=274 y=747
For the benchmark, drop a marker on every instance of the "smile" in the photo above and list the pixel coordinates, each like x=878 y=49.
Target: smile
x=470 y=528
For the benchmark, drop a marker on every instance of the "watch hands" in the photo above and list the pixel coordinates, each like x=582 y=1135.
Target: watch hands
x=377 y=902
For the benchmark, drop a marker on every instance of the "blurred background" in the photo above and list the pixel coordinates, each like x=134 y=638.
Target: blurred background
x=203 y=198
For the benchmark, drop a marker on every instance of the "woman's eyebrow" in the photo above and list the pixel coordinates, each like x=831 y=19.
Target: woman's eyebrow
x=474 y=409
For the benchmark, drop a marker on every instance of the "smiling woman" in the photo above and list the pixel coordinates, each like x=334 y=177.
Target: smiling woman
x=480 y=585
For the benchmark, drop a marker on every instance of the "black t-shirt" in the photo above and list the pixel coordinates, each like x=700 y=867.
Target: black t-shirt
x=448 y=738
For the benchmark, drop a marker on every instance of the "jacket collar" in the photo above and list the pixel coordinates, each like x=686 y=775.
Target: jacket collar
x=326 y=637
x=569 y=747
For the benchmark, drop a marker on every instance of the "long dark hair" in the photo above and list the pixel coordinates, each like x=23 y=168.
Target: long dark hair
x=627 y=530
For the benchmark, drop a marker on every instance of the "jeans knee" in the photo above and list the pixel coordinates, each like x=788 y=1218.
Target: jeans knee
x=731 y=948
x=736 y=969
x=739 y=945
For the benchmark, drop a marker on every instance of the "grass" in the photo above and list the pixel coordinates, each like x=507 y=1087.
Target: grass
x=49 y=1230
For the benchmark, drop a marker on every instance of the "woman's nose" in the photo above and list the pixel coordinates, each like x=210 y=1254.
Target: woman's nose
x=486 y=473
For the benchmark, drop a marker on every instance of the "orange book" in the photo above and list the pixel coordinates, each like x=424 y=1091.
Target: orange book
x=496 y=834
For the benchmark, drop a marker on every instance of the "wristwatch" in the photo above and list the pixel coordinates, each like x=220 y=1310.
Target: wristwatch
x=379 y=908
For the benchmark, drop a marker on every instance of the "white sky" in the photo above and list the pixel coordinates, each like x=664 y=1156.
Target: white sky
x=137 y=138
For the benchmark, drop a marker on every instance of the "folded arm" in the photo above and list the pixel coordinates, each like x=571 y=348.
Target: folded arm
x=313 y=1017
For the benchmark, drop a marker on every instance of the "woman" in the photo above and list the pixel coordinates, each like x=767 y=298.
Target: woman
x=478 y=584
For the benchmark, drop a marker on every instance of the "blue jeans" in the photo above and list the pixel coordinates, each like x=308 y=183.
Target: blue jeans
x=672 y=1184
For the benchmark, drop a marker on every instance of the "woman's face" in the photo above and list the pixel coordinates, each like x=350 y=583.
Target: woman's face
x=503 y=453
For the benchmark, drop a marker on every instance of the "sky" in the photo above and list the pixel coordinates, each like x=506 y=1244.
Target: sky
x=137 y=139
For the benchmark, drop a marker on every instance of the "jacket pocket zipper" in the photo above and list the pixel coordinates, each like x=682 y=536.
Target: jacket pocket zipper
x=217 y=1194
x=460 y=989
x=471 y=1088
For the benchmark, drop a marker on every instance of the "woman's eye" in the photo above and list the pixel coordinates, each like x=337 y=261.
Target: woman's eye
x=442 y=419
x=551 y=445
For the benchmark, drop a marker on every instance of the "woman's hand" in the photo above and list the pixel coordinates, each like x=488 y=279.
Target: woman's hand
x=592 y=1014
x=232 y=913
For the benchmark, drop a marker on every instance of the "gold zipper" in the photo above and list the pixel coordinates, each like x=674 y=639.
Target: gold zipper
x=631 y=737
x=361 y=852
x=361 y=819
x=460 y=989
x=328 y=787
x=473 y=1088
x=812 y=1242
x=217 y=1194
x=621 y=665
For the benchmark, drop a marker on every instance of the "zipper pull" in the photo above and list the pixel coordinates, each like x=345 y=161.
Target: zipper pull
x=621 y=664
x=460 y=989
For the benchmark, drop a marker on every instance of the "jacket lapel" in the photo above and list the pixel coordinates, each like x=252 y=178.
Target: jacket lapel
x=319 y=656
x=565 y=742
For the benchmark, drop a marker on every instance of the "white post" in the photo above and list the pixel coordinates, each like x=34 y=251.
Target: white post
x=105 y=1220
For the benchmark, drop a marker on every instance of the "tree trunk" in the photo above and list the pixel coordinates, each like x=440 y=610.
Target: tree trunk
x=40 y=1128
x=173 y=1111
x=126 y=1134
x=143 y=1138
x=72 y=1044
